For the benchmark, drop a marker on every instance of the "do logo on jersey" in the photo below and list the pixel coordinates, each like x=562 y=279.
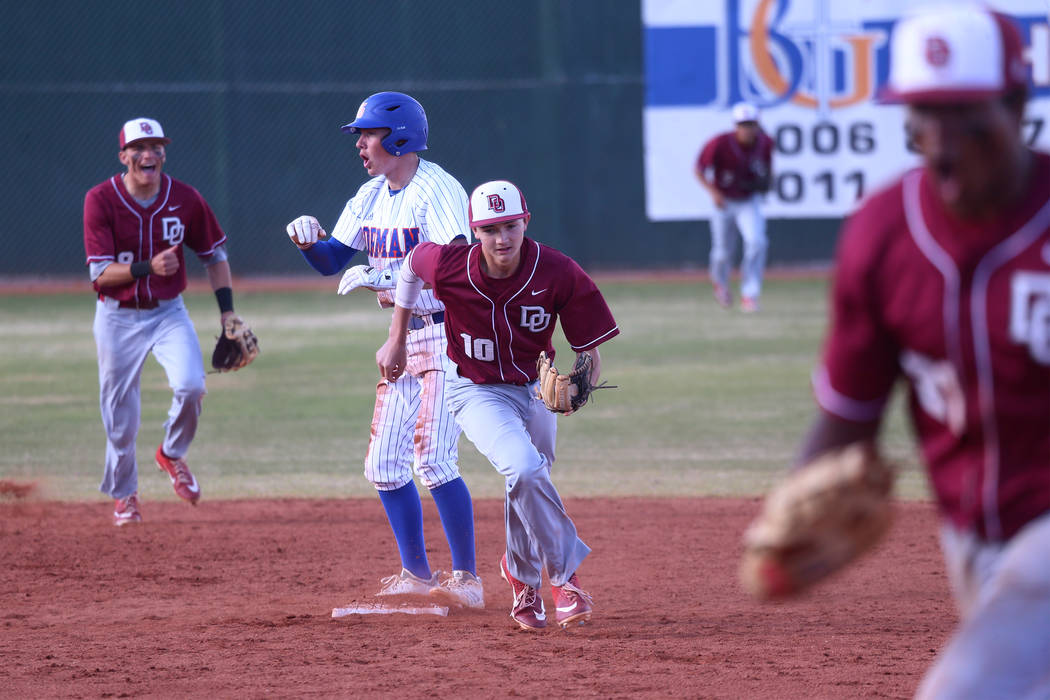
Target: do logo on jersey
x=497 y=204
x=535 y=318
x=173 y=229
x=1030 y=313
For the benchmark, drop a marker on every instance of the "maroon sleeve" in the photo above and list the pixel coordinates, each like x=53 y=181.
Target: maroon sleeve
x=860 y=357
x=585 y=317
x=707 y=155
x=99 y=242
x=205 y=234
x=424 y=261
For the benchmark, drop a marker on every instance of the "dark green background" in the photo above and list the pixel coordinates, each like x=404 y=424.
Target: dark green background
x=546 y=93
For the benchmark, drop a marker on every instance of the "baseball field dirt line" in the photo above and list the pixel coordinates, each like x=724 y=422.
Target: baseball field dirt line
x=234 y=598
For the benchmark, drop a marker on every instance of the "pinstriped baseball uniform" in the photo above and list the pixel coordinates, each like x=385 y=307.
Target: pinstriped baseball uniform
x=411 y=427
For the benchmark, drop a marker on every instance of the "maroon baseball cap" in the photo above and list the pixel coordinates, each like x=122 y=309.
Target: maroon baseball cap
x=141 y=129
x=960 y=53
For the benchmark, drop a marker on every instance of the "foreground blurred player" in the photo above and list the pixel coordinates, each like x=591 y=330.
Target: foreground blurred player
x=503 y=296
x=406 y=201
x=944 y=278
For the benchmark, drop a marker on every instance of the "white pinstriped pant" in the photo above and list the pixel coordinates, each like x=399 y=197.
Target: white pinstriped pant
x=412 y=429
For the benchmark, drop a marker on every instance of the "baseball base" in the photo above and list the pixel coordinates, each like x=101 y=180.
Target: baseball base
x=388 y=609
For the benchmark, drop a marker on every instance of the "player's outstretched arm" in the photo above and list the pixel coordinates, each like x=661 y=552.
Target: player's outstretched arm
x=326 y=255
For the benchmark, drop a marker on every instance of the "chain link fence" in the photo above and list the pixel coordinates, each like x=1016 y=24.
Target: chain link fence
x=546 y=93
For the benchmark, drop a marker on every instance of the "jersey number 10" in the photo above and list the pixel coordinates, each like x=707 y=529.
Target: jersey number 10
x=478 y=348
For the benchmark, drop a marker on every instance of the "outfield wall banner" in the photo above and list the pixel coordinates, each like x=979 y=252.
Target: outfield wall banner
x=814 y=68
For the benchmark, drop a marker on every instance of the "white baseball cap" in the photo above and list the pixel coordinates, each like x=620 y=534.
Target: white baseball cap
x=139 y=129
x=744 y=112
x=496 y=201
x=953 y=53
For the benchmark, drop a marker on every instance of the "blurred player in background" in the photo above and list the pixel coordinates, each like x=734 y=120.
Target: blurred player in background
x=504 y=296
x=135 y=226
x=736 y=169
x=408 y=200
x=943 y=279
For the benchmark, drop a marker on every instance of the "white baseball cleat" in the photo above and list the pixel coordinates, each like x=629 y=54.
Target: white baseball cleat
x=407 y=583
x=462 y=589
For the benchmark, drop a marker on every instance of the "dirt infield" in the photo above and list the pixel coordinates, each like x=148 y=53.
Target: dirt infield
x=234 y=599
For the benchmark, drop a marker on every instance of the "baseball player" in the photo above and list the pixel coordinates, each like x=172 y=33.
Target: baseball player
x=503 y=296
x=408 y=201
x=943 y=278
x=735 y=167
x=135 y=226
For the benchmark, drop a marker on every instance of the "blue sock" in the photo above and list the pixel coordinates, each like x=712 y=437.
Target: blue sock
x=457 y=517
x=405 y=513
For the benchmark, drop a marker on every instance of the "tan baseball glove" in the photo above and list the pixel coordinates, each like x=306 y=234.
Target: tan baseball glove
x=236 y=347
x=565 y=393
x=817 y=520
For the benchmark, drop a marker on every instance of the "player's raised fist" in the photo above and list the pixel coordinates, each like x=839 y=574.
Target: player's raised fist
x=305 y=231
x=165 y=263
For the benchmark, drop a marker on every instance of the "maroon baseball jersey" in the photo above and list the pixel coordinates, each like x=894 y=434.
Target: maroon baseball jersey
x=738 y=172
x=117 y=228
x=496 y=328
x=963 y=312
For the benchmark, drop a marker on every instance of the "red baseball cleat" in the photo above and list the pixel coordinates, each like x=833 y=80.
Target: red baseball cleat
x=572 y=604
x=126 y=510
x=527 y=610
x=723 y=297
x=748 y=305
x=182 y=480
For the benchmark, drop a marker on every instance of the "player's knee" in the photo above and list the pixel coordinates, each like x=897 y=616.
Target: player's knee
x=385 y=477
x=530 y=472
x=190 y=389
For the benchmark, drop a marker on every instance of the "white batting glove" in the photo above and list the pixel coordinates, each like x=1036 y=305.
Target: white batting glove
x=367 y=277
x=305 y=231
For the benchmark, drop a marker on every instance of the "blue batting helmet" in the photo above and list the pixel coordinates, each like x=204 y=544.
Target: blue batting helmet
x=395 y=111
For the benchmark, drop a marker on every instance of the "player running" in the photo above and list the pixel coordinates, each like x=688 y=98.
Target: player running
x=408 y=201
x=503 y=297
x=943 y=278
x=135 y=227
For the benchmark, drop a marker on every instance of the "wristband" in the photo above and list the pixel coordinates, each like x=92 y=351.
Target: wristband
x=224 y=295
x=142 y=268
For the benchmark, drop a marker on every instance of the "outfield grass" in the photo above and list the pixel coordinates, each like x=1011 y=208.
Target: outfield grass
x=709 y=402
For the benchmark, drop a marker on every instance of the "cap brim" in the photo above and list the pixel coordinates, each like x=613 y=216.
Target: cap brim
x=163 y=139
x=498 y=220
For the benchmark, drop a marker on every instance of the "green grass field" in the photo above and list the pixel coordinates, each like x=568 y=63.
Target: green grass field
x=709 y=402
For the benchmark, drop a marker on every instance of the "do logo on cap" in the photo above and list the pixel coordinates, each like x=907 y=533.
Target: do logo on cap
x=495 y=202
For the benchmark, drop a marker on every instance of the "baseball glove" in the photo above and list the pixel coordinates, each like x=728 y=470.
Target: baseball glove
x=367 y=277
x=236 y=347
x=565 y=393
x=817 y=520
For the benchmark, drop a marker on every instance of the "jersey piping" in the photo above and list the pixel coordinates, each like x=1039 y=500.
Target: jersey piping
x=993 y=260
